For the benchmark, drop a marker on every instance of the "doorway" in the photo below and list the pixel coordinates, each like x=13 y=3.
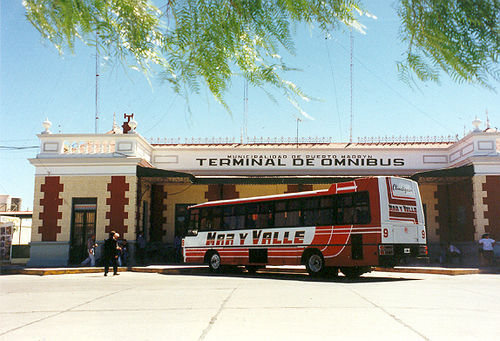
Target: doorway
x=83 y=226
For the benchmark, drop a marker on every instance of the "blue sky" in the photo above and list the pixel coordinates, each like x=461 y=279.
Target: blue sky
x=36 y=82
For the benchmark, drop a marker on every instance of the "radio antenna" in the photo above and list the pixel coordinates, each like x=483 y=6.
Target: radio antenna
x=244 y=131
x=96 y=81
x=351 y=72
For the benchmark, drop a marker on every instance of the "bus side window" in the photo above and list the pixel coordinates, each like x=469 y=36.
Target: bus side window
x=325 y=217
x=326 y=211
x=239 y=217
x=311 y=212
x=193 y=223
x=353 y=208
x=265 y=216
x=294 y=218
x=239 y=222
x=204 y=224
x=348 y=215
x=280 y=214
x=280 y=219
x=362 y=203
x=226 y=220
x=251 y=213
x=216 y=218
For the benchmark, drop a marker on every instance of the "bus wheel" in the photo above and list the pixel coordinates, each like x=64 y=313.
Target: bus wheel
x=315 y=264
x=214 y=262
x=353 y=272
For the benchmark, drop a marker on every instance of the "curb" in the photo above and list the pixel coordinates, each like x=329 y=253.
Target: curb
x=433 y=271
x=188 y=270
x=55 y=271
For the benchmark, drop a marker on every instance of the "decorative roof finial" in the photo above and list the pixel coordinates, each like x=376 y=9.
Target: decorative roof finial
x=487 y=120
x=132 y=124
x=46 y=125
x=476 y=123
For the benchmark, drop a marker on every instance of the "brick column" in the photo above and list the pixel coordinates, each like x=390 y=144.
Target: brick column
x=50 y=203
x=117 y=201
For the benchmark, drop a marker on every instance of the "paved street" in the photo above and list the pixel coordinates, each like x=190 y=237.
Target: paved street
x=148 y=306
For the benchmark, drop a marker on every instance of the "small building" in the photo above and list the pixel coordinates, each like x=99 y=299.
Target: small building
x=15 y=236
x=93 y=183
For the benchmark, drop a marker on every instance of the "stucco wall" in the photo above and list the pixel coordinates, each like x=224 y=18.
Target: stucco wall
x=37 y=209
x=84 y=187
x=180 y=194
x=428 y=195
x=479 y=206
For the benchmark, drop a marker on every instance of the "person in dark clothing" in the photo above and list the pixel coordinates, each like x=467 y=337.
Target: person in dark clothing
x=111 y=252
x=140 y=249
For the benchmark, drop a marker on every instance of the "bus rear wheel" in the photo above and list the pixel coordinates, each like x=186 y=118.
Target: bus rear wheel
x=214 y=262
x=315 y=264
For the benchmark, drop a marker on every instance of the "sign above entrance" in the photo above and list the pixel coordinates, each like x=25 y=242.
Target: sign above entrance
x=299 y=160
x=268 y=162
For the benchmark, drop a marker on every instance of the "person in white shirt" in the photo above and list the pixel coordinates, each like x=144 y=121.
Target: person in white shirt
x=486 y=248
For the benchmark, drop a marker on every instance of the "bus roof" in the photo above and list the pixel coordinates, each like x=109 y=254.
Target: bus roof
x=334 y=188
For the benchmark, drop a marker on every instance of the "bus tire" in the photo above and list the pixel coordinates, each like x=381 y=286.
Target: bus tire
x=353 y=272
x=214 y=262
x=315 y=263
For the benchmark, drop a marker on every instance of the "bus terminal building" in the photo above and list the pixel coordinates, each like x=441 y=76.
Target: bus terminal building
x=94 y=183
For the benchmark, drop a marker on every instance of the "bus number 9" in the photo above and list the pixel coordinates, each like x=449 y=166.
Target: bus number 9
x=386 y=233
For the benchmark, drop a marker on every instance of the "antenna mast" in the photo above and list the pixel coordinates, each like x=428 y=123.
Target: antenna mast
x=96 y=81
x=244 y=132
x=351 y=69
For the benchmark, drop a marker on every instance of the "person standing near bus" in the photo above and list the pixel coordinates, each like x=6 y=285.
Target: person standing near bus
x=111 y=251
x=140 y=248
x=486 y=248
x=91 y=245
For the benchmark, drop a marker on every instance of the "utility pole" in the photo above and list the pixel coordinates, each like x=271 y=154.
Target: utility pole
x=297 y=140
x=244 y=131
x=96 y=81
x=351 y=69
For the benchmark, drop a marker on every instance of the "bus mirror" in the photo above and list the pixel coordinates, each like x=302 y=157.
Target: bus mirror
x=192 y=232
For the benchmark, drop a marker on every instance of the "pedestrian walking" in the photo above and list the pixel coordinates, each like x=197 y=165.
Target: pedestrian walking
x=111 y=252
x=486 y=249
x=91 y=245
x=123 y=259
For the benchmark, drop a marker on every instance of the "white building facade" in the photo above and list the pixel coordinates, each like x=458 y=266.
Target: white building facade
x=94 y=183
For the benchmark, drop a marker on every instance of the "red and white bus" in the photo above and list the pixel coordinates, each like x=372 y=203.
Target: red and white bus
x=351 y=226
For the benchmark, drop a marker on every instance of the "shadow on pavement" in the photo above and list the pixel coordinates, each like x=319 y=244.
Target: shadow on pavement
x=290 y=276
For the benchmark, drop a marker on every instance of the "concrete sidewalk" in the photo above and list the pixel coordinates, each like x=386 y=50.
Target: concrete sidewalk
x=176 y=269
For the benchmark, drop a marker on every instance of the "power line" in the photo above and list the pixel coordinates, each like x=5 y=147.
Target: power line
x=334 y=90
x=404 y=98
x=96 y=80
x=351 y=67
